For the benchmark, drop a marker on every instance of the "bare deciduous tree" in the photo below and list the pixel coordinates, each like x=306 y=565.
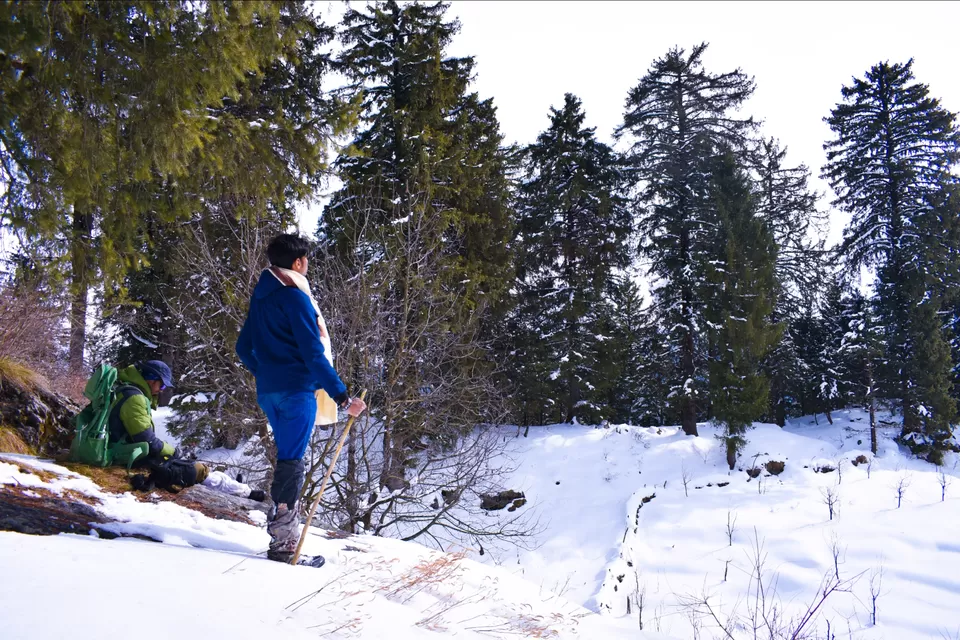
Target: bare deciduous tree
x=901 y=488
x=731 y=527
x=831 y=498
x=876 y=584
x=764 y=616
x=416 y=465
x=945 y=481
x=224 y=257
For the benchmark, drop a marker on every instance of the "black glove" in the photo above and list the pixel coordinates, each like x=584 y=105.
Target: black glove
x=141 y=482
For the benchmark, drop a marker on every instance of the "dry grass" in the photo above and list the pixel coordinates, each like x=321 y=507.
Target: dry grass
x=21 y=375
x=445 y=569
x=11 y=442
x=110 y=479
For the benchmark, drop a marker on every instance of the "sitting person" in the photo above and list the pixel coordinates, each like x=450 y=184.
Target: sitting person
x=131 y=416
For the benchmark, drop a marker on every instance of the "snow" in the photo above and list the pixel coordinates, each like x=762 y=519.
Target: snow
x=204 y=580
x=164 y=521
x=617 y=526
x=161 y=416
x=602 y=545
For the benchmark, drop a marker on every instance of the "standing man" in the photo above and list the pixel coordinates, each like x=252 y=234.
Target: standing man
x=282 y=344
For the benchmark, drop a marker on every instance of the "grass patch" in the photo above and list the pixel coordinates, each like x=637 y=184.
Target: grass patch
x=11 y=442
x=110 y=479
x=20 y=375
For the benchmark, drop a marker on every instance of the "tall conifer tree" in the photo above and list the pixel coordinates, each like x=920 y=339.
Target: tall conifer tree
x=425 y=203
x=676 y=117
x=742 y=279
x=573 y=223
x=102 y=102
x=786 y=203
x=893 y=152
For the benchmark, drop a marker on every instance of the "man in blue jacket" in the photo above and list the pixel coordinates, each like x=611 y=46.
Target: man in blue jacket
x=281 y=343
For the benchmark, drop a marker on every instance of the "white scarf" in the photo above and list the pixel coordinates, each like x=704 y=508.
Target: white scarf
x=326 y=407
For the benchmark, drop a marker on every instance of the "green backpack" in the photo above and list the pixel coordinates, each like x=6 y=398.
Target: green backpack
x=91 y=441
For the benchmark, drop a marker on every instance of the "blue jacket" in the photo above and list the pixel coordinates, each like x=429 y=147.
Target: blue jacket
x=280 y=342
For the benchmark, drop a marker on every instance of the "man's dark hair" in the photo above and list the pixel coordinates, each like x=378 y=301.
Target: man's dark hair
x=286 y=248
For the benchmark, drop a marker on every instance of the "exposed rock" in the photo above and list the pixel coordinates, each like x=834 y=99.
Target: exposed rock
x=860 y=459
x=40 y=418
x=38 y=511
x=519 y=502
x=498 y=501
x=218 y=505
x=775 y=467
x=753 y=472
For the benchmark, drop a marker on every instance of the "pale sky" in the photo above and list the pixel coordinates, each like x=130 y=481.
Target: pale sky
x=529 y=54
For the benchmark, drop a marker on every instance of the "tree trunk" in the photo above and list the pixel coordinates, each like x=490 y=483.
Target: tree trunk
x=873 y=411
x=688 y=409
x=80 y=284
x=351 y=502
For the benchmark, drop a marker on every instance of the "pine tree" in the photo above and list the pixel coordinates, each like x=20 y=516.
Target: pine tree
x=266 y=155
x=677 y=116
x=637 y=394
x=741 y=276
x=862 y=349
x=893 y=152
x=102 y=101
x=832 y=375
x=809 y=336
x=788 y=206
x=423 y=214
x=944 y=214
x=573 y=223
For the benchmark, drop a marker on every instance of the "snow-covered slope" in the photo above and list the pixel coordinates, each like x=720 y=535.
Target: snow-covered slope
x=604 y=547
x=619 y=534
x=206 y=582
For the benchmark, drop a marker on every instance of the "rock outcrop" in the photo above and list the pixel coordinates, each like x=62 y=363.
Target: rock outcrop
x=34 y=419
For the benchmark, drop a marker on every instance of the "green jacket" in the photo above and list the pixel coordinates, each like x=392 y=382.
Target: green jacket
x=134 y=420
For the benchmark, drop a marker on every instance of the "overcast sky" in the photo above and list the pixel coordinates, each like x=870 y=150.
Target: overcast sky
x=529 y=54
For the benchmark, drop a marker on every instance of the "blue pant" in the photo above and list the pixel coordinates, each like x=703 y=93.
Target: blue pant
x=291 y=415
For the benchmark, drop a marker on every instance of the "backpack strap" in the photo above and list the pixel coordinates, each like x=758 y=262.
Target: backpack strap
x=117 y=431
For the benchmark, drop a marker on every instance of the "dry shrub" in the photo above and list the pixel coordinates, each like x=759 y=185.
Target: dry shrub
x=443 y=569
x=33 y=335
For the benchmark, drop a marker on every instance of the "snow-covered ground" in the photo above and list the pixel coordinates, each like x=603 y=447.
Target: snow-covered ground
x=206 y=582
x=619 y=535
x=604 y=547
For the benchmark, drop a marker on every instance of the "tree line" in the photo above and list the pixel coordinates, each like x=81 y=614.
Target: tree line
x=149 y=150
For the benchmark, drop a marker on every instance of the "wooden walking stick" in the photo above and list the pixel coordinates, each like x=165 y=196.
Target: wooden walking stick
x=323 y=485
